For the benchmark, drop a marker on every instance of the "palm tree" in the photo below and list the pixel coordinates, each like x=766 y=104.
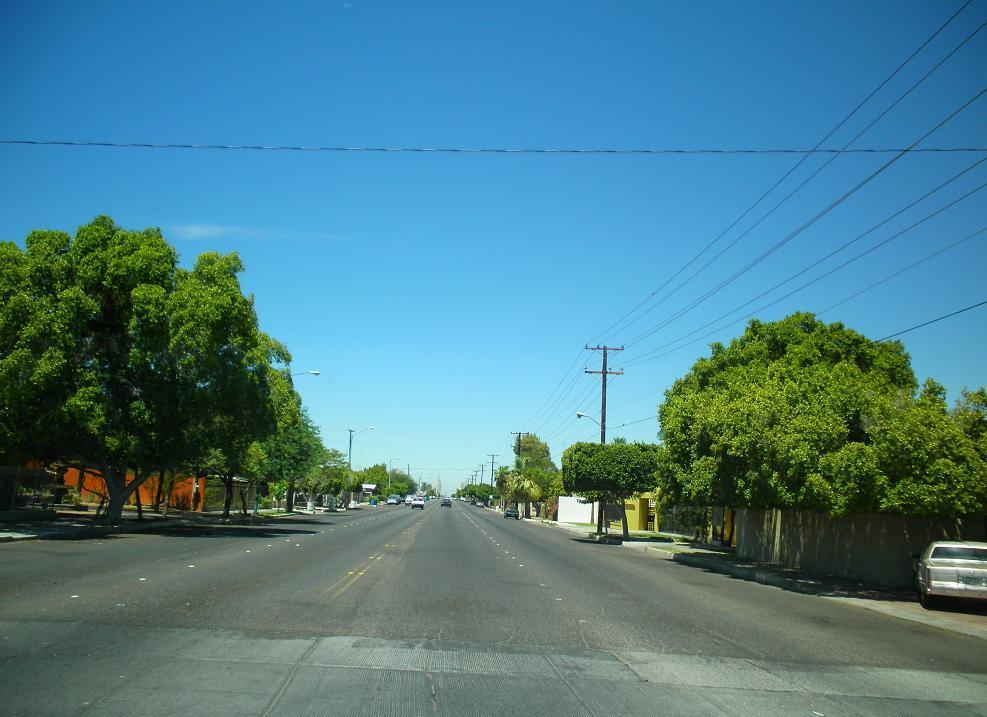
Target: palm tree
x=502 y=478
x=522 y=487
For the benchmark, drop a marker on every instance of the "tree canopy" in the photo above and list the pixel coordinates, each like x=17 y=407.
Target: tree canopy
x=115 y=359
x=537 y=453
x=801 y=414
x=599 y=471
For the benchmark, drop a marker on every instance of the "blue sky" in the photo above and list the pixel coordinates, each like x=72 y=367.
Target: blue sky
x=445 y=296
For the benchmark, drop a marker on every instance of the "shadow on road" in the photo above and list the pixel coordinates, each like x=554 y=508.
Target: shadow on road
x=227 y=531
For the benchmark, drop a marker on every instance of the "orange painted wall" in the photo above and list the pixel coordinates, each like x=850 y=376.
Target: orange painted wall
x=90 y=485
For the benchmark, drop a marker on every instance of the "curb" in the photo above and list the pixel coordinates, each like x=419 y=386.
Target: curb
x=744 y=572
x=766 y=577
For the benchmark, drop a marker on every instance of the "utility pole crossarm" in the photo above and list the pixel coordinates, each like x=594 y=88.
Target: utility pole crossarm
x=603 y=373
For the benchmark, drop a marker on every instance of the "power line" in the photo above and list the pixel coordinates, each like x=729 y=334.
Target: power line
x=901 y=271
x=537 y=413
x=814 y=174
x=785 y=176
x=845 y=245
x=817 y=146
x=640 y=420
x=484 y=150
x=567 y=412
x=642 y=359
x=805 y=225
x=561 y=405
x=931 y=321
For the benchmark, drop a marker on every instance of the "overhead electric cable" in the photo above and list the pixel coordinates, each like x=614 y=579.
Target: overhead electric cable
x=644 y=358
x=832 y=253
x=785 y=176
x=482 y=150
x=537 y=413
x=551 y=413
x=931 y=321
x=901 y=271
x=778 y=245
x=812 y=176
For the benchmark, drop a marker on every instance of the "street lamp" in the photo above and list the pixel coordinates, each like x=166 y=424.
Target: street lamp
x=580 y=414
x=390 y=467
x=353 y=432
x=302 y=373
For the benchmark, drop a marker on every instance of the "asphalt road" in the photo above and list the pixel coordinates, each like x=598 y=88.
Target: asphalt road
x=441 y=611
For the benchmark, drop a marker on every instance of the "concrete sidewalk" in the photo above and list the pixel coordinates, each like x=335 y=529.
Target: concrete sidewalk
x=964 y=618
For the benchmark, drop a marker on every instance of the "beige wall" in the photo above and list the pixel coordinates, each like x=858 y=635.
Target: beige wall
x=875 y=548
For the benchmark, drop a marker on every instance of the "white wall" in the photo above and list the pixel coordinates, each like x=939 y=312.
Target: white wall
x=573 y=510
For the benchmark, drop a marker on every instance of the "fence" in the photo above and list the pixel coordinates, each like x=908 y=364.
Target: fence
x=873 y=548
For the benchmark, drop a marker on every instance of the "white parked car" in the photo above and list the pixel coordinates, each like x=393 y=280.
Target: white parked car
x=955 y=569
x=408 y=498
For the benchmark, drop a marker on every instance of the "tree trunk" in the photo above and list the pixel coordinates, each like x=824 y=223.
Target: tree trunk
x=115 y=479
x=118 y=491
x=158 y=491
x=228 y=498
x=527 y=509
x=167 y=497
x=623 y=518
x=599 y=516
x=289 y=498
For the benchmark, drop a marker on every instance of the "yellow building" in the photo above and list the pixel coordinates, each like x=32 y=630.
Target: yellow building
x=641 y=513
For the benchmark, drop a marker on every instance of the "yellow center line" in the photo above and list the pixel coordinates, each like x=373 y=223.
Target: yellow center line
x=340 y=586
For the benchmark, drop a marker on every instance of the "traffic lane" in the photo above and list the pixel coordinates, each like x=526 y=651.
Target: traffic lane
x=660 y=604
x=29 y=563
x=449 y=582
x=195 y=576
x=313 y=601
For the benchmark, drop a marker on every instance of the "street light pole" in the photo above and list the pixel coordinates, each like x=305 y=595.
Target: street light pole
x=289 y=500
x=349 y=456
x=603 y=439
x=390 y=467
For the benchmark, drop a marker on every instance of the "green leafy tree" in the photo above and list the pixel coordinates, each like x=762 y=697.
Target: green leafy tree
x=615 y=471
x=115 y=360
x=89 y=356
x=800 y=414
x=294 y=453
x=242 y=392
x=328 y=477
x=537 y=453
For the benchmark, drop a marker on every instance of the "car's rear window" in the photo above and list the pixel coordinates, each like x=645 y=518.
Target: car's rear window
x=960 y=553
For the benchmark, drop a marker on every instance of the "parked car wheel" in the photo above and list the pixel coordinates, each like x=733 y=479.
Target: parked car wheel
x=929 y=602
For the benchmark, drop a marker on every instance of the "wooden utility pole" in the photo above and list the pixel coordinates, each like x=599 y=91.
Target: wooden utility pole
x=601 y=514
x=492 y=457
x=603 y=375
x=517 y=442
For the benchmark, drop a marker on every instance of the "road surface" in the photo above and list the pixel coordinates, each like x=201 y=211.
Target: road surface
x=446 y=611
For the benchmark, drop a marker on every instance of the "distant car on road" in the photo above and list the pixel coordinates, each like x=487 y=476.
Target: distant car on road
x=446 y=502
x=408 y=498
x=418 y=502
x=512 y=512
x=955 y=569
x=394 y=500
